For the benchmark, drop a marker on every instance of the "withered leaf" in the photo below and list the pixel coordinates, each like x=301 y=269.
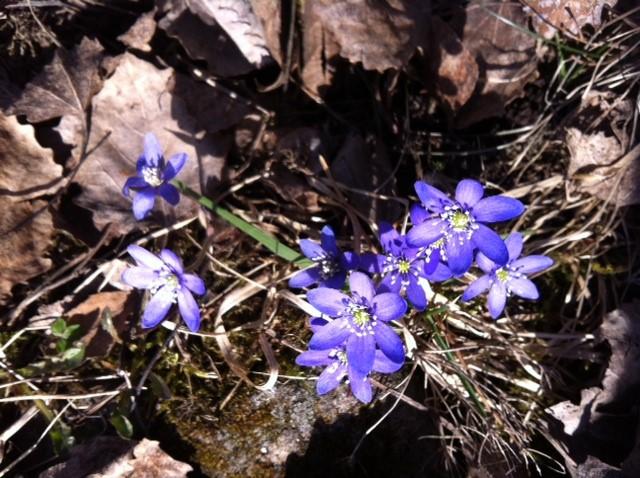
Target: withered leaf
x=204 y=42
x=110 y=457
x=141 y=32
x=135 y=100
x=65 y=86
x=28 y=170
x=505 y=55
x=568 y=16
x=103 y=318
x=24 y=239
x=380 y=35
x=236 y=17
x=270 y=16
x=453 y=68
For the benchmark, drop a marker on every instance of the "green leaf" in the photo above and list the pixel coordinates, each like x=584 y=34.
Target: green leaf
x=267 y=240
x=59 y=327
x=122 y=425
x=74 y=356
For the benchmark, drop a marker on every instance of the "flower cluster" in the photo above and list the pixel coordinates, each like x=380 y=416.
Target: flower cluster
x=354 y=337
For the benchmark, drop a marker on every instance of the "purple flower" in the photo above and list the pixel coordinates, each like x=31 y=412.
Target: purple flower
x=165 y=278
x=503 y=280
x=331 y=265
x=360 y=322
x=401 y=267
x=152 y=178
x=460 y=223
x=338 y=368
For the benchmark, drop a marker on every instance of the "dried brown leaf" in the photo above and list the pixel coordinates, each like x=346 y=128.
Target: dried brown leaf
x=141 y=32
x=28 y=169
x=204 y=42
x=452 y=66
x=24 y=239
x=506 y=58
x=135 y=100
x=270 y=16
x=568 y=16
x=103 y=318
x=236 y=17
x=65 y=86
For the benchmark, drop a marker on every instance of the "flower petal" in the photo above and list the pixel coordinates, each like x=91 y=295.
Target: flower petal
x=440 y=274
x=477 y=287
x=145 y=258
x=152 y=149
x=349 y=260
x=194 y=283
x=372 y=263
x=490 y=244
x=524 y=288
x=172 y=260
x=418 y=214
x=305 y=278
x=416 y=294
x=314 y=358
x=140 y=164
x=311 y=249
x=486 y=264
x=431 y=198
x=189 y=309
x=139 y=277
x=387 y=234
x=459 y=253
x=143 y=202
x=328 y=301
x=497 y=299
x=362 y=285
x=389 y=342
x=336 y=281
x=157 y=308
x=328 y=241
x=388 y=306
x=390 y=283
x=331 y=335
x=133 y=182
x=426 y=233
x=330 y=378
x=174 y=165
x=469 y=192
x=383 y=364
x=497 y=208
x=532 y=264
x=361 y=350
x=360 y=385
x=514 y=245
x=170 y=193
x=316 y=323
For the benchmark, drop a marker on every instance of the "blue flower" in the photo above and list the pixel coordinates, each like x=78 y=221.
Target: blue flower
x=504 y=280
x=165 y=278
x=360 y=321
x=152 y=178
x=331 y=265
x=402 y=268
x=460 y=223
x=338 y=368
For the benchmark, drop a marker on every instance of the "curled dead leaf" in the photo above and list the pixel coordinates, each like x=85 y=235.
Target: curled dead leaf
x=141 y=32
x=28 y=169
x=26 y=231
x=568 y=16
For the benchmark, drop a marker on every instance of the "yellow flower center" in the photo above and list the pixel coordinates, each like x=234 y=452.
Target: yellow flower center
x=502 y=274
x=460 y=220
x=404 y=266
x=361 y=317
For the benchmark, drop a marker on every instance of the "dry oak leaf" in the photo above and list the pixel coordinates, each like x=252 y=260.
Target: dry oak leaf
x=506 y=58
x=138 y=99
x=25 y=235
x=103 y=318
x=379 y=35
x=568 y=16
x=141 y=32
x=65 y=86
x=28 y=169
x=453 y=67
x=600 y=168
x=236 y=17
x=202 y=41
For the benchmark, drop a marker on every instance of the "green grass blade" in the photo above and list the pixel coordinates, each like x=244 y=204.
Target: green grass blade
x=267 y=240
